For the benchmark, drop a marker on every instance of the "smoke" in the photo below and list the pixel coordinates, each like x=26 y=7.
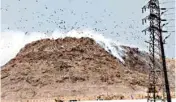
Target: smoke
x=12 y=41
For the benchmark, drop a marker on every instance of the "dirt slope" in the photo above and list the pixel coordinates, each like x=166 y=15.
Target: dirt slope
x=72 y=67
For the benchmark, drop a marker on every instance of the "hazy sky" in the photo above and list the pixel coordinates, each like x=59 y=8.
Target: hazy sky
x=119 y=20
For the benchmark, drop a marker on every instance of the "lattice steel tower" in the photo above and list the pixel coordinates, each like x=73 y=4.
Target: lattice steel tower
x=156 y=49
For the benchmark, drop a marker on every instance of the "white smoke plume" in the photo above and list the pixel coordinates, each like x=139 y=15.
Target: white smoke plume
x=12 y=41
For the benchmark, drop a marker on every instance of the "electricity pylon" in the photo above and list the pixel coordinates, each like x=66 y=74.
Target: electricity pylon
x=156 y=49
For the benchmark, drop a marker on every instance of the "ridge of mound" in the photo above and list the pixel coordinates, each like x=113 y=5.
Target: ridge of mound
x=72 y=67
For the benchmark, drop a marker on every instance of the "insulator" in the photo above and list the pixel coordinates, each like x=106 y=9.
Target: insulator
x=145 y=21
x=163 y=20
x=142 y=22
x=164 y=31
x=163 y=8
x=165 y=24
x=144 y=9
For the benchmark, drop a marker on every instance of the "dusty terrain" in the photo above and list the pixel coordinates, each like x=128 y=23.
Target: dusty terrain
x=73 y=67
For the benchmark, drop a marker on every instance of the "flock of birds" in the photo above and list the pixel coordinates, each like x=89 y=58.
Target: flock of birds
x=54 y=18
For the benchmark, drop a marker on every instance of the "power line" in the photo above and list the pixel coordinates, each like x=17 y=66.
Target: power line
x=171 y=8
x=167 y=2
x=170 y=26
x=170 y=14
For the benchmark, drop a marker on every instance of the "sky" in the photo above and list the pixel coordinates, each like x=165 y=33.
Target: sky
x=119 y=20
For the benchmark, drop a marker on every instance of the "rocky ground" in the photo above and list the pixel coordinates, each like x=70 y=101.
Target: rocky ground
x=75 y=67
